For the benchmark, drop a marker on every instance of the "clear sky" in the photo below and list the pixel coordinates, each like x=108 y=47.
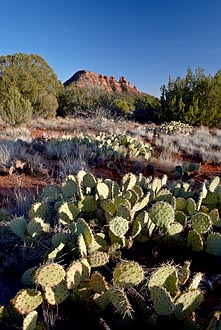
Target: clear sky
x=145 y=41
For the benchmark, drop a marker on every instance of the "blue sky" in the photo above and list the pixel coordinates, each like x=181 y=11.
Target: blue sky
x=145 y=41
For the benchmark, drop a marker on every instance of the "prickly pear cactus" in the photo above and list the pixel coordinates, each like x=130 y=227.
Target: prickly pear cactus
x=87 y=204
x=162 y=300
x=195 y=241
x=28 y=276
x=103 y=190
x=67 y=213
x=69 y=187
x=127 y=274
x=118 y=226
x=50 y=274
x=98 y=258
x=119 y=300
x=74 y=274
x=98 y=283
x=162 y=214
x=27 y=300
x=57 y=294
x=89 y=180
x=128 y=181
x=201 y=222
x=187 y=303
x=165 y=276
x=30 y=321
x=139 y=223
x=213 y=244
x=18 y=226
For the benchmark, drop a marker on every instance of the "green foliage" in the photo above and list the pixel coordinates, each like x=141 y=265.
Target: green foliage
x=194 y=99
x=146 y=108
x=83 y=102
x=15 y=109
x=87 y=102
x=34 y=79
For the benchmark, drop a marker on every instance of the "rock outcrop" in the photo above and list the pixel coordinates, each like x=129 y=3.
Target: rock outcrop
x=84 y=78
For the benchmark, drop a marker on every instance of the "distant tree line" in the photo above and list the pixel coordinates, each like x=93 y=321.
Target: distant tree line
x=29 y=88
x=85 y=102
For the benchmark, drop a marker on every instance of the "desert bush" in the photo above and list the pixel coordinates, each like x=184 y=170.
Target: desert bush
x=15 y=109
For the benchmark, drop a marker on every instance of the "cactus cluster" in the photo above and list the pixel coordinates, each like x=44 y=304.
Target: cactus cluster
x=102 y=145
x=92 y=225
x=171 y=128
x=168 y=296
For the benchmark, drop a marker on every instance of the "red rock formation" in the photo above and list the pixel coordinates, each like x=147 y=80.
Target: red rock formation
x=84 y=78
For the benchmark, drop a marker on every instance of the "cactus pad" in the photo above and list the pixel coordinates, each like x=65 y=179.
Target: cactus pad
x=180 y=203
x=160 y=275
x=128 y=181
x=139 y=223
x=214 y=184
x=58 y=238
x=98 y=258
x=118 y=226
x=34 y=229
x=50 y=274
x=38 y=209
x=174 y=229
x=108 y=206
x=30 y=320
x=187 y=303
x=162 y=214
x=87 y=204
x=201 y=222
x=28 y=276
x=120 y=302
x=86 y=269
x=98 y=283
x=84 y=229
x=184 y=273
x=82 y=246
x=213 y=244
x=103 y=190
x=67 y=213
x=69 y=187
x=27 y=300
x=190 y=206
x=73 y=274
x=18 y=226
x=195 y=241
x=127 y=274
x=57 y=294
x=197 y=278
x=163 y=302
x=89 y=180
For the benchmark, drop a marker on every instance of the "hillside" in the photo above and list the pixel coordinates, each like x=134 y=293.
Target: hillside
x=84 y=78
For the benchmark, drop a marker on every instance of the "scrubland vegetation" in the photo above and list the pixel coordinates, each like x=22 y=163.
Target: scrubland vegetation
x=122 y=232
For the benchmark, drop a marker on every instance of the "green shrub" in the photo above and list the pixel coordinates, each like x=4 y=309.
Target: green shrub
x=15 y=110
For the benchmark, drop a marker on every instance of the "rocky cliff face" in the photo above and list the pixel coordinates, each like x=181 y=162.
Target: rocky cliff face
x=90 y=79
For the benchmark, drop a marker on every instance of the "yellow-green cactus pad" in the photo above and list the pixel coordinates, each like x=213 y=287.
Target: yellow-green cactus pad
x=27 y=300
x=127 y=274
x=50 y=274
